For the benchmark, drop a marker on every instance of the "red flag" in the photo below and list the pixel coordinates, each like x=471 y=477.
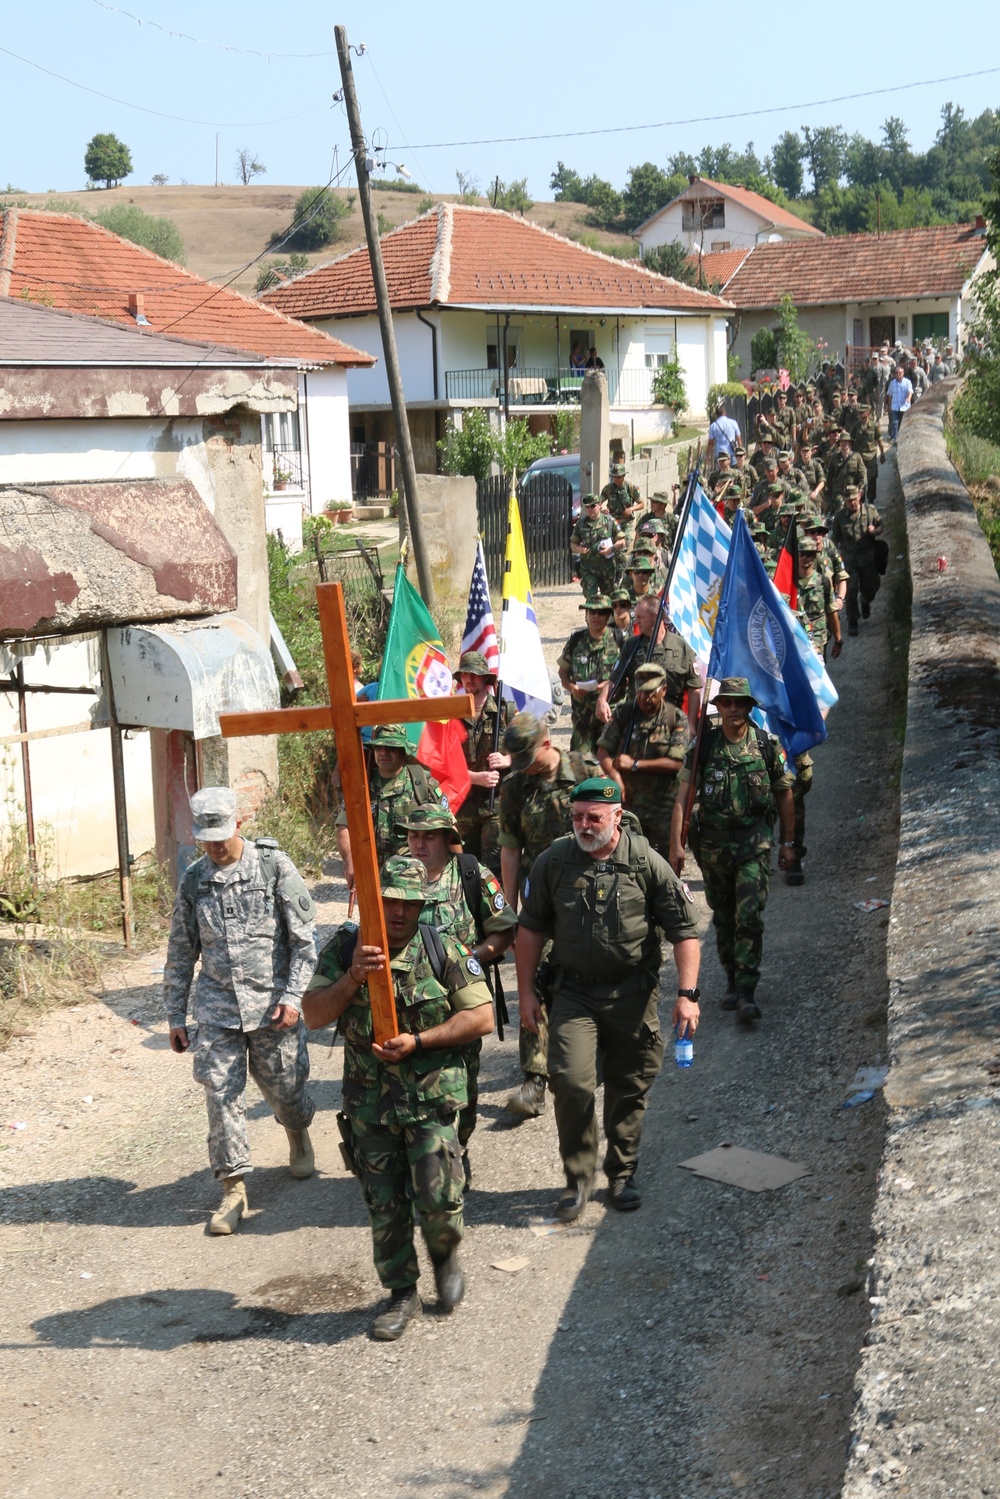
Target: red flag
x=440 y=749
x=786 y=572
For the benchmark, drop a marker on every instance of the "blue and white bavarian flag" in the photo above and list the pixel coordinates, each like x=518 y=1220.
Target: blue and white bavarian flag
x=702 y=552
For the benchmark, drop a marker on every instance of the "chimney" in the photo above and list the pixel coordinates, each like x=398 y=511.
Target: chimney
x=137 y=308
x=980 y=224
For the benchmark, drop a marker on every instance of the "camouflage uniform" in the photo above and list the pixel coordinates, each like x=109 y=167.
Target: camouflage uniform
x=534 y=810
x=257 y=952
x=814 y=473
x=617 y=501
x=478 y=826
x=731 y=839
x=662 y=735
x=849 y=533
x=867 y=439
x=599 y=571
x=677 y=659
x=403 y=1114
x=412 y=786
x=587 y=660
x=451 y=915
x=843 y=471
x=604 y=918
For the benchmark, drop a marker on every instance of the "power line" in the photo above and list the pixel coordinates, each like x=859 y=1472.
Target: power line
x=222 y=46
x=159 y=113
x=743 y=114
x=388 y=101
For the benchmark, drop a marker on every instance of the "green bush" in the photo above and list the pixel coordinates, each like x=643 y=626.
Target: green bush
x=321 y=213
x=763 y=350
x=669 y=388
x=717 y=393
x=131 y=222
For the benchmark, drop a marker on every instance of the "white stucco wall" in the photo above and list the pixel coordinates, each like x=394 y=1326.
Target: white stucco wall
x=743 y=229
x=834 y=324
x=326 y=438
x=69 y=452
x=370 y=387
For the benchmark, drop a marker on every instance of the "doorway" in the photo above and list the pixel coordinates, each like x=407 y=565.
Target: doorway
x=882 y=330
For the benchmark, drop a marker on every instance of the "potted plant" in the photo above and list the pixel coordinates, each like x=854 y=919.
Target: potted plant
x=282 y=476
x=340 y=511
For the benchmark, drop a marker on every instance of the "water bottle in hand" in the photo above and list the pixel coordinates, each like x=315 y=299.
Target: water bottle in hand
x=683 y=1049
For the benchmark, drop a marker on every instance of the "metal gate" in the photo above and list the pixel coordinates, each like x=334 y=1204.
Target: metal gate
x=373 y=470
x=546 y=518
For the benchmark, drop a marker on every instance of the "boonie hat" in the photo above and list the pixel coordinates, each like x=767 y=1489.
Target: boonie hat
x=521 y=740
x=598 y=602
x=618 y=471
x=427 y=818
x=807 y=547
x=477 y=663
x=403 y=878
x=390 y=736
x=597 y=789
x=640 y=562
x=736 y=687
x=590 y=499
x=649 y=677
x=621 y=596
x=213 y=814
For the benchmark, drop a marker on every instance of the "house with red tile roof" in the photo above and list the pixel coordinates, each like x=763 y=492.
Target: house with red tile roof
x=709 y=217
x=64 y=261
x=862 y=289
x=494 y=311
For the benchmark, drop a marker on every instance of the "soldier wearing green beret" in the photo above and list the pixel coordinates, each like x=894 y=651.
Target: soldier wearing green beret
x=534 y=810
x=602 y=896
x=741 y=780
x=478 y=822
x=585 y=666
x=397 y=781
x=598 y=540
x=401 y=1099
x=647 y=771
x=622 y=501
x=465 y=901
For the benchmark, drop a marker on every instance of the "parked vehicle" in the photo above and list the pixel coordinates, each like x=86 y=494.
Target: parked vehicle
x=562 y=465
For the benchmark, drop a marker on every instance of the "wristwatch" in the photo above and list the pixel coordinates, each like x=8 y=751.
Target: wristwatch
x=692 y=994
x=787 y=845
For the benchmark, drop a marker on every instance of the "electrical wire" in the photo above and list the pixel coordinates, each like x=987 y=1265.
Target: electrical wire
x=385 y=96
x=159 y=113
x=201 y=41
x=743 y=114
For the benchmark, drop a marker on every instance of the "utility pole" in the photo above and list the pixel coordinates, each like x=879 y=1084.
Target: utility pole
x=216 y=158
x=393 y=376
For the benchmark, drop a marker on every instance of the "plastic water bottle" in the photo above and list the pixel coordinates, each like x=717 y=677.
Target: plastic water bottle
x=683 y=1049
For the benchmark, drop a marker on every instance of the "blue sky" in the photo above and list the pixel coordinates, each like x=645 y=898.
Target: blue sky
x=450 y=72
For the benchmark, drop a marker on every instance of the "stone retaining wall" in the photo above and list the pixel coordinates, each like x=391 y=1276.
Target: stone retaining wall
x=927 y=1412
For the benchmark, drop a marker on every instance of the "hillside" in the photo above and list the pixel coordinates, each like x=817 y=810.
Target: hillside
x=225 y=227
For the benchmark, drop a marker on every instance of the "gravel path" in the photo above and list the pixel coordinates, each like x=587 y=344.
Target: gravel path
x=704 y=1345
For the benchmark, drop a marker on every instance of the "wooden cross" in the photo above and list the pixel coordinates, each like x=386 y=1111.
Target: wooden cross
x=346 y=717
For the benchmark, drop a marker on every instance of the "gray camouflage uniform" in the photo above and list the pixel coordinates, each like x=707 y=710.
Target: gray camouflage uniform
x=257 y=952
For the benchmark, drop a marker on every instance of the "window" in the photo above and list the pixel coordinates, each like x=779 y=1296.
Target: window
x=930 y=325
x=282 y=455
x=493 y=349
x=703 y=213
x=720 y=244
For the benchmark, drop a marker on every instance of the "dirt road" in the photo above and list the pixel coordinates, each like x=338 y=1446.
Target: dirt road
x=704 y=1345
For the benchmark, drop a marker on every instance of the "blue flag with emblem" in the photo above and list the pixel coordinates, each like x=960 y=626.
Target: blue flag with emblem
x=755 y=638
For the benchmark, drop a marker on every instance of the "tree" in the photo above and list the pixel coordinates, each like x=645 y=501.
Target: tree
x=159 y=235
x=159 y=179
x=825 y=149
x=899 y=160
x=474 y=447
x=107 y=160
x=512 y=197
x=978 y=404
x=566 y=185
x=648 y=188
x=318 y=215
x=604 y=202
x=468 y=187
x=668 y=386
x=280 y=270
x=671 y=260
x=786 y=164
x=247 y=165
x=796 y=350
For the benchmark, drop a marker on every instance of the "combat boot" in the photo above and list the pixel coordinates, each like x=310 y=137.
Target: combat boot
x=404 y=1305
x=467 y=1171
x=795 y=875
x=529 y=1099
x=728 y=1000
x=301 y=1161
x=573 y=1202
x=226 y=1218
x=449 y=1277
x=747 y=1005
x=624 y=1194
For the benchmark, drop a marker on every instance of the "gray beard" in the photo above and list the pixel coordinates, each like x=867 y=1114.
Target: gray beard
x=589 y=841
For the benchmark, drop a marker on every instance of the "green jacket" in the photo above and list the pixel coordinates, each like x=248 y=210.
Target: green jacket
x=736 y=785
x=534 y=810
x=414 y=786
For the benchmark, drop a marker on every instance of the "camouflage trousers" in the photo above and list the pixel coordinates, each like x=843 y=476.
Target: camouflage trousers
x=736 y=891
x=277 y=1061
x=599 y=577
x=864 y=580
x=472 y=1056
x=407 y=1171
x=623 y=1037
x=480 y=834
x=800 y=790
x=533 y=1048
x=586 y=729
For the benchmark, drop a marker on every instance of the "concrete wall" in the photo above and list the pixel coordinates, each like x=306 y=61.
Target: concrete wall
x=927 y=1382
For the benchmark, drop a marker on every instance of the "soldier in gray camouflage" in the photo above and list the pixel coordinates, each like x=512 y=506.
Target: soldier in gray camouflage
x=401 y=1099
x=244 y=910
x=534 y=809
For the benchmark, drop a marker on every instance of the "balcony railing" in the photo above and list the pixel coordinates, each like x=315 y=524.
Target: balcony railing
x=283 y=469
x=539 y=386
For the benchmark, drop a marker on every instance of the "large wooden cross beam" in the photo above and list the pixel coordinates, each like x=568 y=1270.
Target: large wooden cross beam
x=346 y=717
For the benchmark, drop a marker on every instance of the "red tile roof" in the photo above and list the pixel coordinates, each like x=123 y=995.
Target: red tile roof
x=67 y=262
x=719 y=265
x=770 y=212
x=930 y=262
x=455 y=256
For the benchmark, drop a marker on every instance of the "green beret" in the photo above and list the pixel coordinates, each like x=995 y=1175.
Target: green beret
x=597 y=789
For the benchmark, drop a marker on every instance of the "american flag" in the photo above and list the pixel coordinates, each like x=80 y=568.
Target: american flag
x=480 y=631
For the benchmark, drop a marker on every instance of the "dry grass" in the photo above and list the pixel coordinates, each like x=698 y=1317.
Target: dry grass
x=39 y=976
x=224 y=227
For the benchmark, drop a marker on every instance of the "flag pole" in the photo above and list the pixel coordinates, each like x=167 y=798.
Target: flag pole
x=692 y=784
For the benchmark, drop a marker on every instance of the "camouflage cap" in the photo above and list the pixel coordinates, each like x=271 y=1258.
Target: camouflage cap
x=736 y=687
x=659 y=497
x=844 y=436
x=597 y=603
x=640 y=562
x=213 y=814
x=863 y=406
x=776 y=489
x=621 y=596
x=816 y=523
x=427 y=818
x=796 y=497
x=522 y=739
x=590 y=499
x=784 y=454
x=476 y=663
x=653 y=527
x=739 y=450
x=390 y=736
x=787 y=511
x=597 y=789
x=771 y=461
x=618 y=471
x=756 y=527
x=403 y=878
x=808 y=547
x=649 y=677
x=723 y=453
